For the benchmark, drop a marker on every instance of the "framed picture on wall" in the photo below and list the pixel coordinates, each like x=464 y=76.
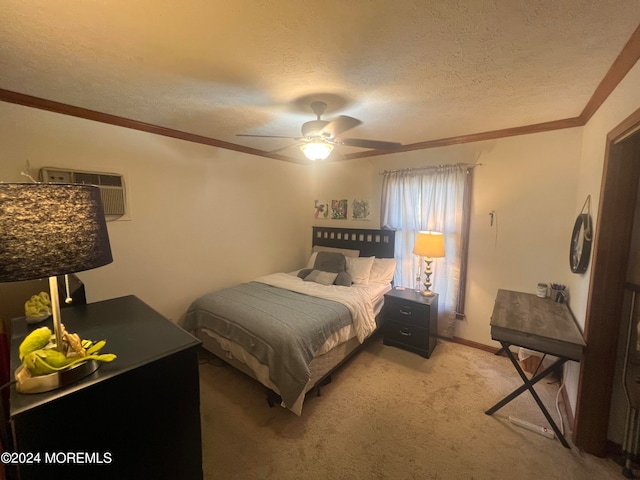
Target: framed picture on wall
x=360 y=209
x=321 y=209
x=339 y=209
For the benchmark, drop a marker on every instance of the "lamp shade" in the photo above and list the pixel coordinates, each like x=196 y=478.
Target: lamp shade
x=51 y=229
x=316 y=150
x=429 y=244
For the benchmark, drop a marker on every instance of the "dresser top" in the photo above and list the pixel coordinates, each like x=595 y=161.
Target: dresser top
x=134 y=332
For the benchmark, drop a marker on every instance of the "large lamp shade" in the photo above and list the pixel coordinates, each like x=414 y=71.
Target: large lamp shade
x=50 y=229
x=429 y=245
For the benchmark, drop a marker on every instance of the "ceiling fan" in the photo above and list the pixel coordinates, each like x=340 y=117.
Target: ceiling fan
x=319 y=137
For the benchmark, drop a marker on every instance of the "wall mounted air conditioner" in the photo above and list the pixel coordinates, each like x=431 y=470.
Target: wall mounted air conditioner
x=112 y=187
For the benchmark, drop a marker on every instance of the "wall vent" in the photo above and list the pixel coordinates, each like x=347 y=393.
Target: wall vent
x=112 y=188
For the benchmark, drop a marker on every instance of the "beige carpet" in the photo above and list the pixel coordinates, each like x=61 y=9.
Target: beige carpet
x=389 y=414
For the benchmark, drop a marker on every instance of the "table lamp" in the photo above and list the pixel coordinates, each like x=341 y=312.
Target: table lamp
x=429 y=245
x=48 y=230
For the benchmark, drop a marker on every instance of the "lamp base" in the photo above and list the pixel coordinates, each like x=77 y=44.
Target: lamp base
x=26 y=383
x=427 y=279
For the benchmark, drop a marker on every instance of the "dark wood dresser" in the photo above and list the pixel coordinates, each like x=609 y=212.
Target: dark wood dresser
x=411 y=321
x=137 y=417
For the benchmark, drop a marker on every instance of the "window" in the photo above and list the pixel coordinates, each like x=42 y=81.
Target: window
x=436 y=199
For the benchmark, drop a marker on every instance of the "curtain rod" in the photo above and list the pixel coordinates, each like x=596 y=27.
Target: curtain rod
x=431 y=167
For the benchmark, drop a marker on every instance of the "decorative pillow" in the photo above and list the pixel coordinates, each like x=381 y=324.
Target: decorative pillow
x=382 y=270
x=336 y=263
x=359 y=268
x=323 y=278
x=332 y=262
x=343 y=279
x=345 y=251
x=304 y=272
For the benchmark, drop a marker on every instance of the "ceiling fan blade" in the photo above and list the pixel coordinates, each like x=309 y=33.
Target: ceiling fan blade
x=340 y=125
x=373 y=144
x=285 y=148
x=335 y=155
x=267 y=136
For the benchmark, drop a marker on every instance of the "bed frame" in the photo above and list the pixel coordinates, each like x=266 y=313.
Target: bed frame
x=370 y=242
x=378 y=243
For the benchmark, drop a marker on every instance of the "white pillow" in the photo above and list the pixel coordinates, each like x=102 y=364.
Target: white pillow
x=359 y=268
x=323 y=278
x=312 y=260
x=382 y=270
x=345 y=251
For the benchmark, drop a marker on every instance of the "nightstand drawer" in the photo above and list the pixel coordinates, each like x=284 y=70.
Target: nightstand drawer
x=407 y=312
x=407 y=336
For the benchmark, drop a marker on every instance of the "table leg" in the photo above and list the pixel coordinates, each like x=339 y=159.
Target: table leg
x=528 y=385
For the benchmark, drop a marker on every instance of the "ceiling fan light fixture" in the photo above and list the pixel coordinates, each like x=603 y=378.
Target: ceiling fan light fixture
x=316 y=150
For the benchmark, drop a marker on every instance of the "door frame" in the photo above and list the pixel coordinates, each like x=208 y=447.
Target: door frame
x=618 y=197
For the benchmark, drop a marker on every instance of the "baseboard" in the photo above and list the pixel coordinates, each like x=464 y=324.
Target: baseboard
x=477 y=345
x=566 y=407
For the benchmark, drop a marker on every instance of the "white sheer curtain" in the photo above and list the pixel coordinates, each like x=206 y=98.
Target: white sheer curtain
x=429 y=199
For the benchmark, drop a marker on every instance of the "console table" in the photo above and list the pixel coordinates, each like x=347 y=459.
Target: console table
x=136 y=417
x=528 y=321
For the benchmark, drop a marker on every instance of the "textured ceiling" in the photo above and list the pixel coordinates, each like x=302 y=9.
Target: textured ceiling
x=411 y=70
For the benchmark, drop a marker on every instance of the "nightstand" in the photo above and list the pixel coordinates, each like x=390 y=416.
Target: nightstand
x=411 y=321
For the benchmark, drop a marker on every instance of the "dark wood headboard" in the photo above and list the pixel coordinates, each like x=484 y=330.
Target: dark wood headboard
x=378 y=243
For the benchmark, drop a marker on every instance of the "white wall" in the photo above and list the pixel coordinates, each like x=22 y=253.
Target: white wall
x=352 y=179
x=201 y=217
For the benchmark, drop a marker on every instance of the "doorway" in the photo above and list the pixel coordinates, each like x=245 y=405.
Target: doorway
x=618 y=196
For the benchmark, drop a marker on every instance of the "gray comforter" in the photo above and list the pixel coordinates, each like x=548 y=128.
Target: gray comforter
x=281 y=328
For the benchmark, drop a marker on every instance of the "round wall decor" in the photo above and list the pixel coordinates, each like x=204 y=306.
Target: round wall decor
x=580 y=248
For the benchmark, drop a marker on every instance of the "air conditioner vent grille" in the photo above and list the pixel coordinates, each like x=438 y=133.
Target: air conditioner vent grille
x=113 y=201
x=111 y=180
x=98 y=179
x=86 y=178
x=112 y=190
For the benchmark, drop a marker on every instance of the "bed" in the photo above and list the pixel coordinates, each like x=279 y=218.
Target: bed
x=290 y=331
